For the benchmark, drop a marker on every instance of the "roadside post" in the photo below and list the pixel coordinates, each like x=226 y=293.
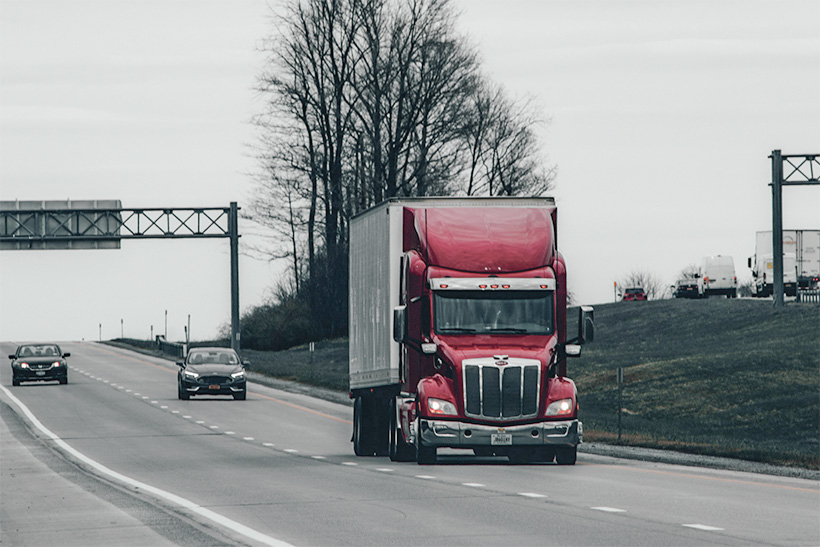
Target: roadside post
x=620 y=380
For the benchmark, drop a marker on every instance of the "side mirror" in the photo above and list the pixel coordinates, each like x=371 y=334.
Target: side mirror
x=246 y=363
x=180 y=364
x=66 y=355
x=400 y=324
x=12 y=356
x=586 y=324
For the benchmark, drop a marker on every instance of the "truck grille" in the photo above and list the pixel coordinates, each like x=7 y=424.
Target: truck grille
x=501 y=392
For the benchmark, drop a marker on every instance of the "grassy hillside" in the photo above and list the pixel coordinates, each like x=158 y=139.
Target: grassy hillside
x=720 y=377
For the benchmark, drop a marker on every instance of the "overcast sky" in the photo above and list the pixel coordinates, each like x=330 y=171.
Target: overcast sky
x=663 y=115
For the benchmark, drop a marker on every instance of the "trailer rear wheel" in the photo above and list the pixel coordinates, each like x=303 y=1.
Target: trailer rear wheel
x=362 y=434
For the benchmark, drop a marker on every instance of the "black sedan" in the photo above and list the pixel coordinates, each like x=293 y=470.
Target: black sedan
x=211 y=371
x=38 y=363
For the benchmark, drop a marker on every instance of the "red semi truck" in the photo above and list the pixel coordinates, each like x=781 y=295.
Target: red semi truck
x=458 y=331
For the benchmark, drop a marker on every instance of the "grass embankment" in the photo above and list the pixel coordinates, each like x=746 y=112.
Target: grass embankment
x=718 y=377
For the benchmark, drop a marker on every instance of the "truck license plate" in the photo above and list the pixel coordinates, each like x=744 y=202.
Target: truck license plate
x=501 y=439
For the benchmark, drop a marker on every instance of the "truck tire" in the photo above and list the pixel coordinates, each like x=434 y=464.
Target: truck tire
x=400 y=451
x=425 y=455
x=362 y=435
x=566 y=455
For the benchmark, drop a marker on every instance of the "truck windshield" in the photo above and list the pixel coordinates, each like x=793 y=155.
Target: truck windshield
x=494 y=312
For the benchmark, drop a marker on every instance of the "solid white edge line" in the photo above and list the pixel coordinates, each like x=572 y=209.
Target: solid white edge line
x=703 y=527
x=168 y=496
x=609 y=509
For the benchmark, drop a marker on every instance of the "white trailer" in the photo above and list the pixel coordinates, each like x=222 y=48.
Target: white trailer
x=801 y=261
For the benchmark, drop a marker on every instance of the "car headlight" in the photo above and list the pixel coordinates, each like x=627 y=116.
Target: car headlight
x=23 y=365
x=56 y=364
x=190 y=374
x=559 y=408
x=438 y=406
x=239 y=374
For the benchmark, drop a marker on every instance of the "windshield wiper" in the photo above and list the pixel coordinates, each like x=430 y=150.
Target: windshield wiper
x=508 y=329
x=456 y=330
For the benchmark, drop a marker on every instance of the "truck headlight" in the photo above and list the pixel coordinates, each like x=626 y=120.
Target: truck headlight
x=438 y=406
x=559 y=408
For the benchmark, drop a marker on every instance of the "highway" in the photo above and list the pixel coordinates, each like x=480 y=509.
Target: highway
x=134 y=465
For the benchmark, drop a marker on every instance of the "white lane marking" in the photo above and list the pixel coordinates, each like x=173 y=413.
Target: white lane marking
x=175 y=412
x=137 y=394
x=384 y=469
x=425 y=477
x=164 y=407
x=187 y=417
x=350 y=463
x=154 y=402
x=291 y=451
x=248 y=438
x=230 y=433
x=168 y=496
x=214 y=427
x=318 y=457
x=200 y=421
x=473 y=484
x=128 y=391
x=268 y=444
x=609 y=509
x=145 y=397
x=531 y=495
x=703 y=527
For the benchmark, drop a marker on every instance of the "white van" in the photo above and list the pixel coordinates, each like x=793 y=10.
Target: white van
x=717 y=276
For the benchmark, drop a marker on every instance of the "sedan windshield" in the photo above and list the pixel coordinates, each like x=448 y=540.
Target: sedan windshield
x=497 y=312
x=212 y=357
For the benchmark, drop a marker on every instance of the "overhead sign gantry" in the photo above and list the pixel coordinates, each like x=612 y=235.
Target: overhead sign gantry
x=103 y=224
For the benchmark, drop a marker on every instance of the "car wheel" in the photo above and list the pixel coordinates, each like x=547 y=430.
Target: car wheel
x=181 y=393
x=15 y=382
x=240 y=396
x=64 y=381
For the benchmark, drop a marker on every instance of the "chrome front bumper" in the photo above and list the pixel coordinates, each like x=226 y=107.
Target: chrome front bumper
x=466 y=435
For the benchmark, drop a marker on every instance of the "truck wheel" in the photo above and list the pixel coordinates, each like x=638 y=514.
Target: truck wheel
x=362 y=438
x=565 y=455
x=400 y=451
x=425 y=455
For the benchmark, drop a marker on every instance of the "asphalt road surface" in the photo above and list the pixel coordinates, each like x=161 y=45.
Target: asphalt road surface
x=113 y=457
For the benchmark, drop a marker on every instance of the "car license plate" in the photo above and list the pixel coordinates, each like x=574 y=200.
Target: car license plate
x=41 y=373
x=214 y=387
x=501 y=439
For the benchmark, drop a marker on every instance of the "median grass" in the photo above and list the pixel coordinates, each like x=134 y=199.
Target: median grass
x=717 y=377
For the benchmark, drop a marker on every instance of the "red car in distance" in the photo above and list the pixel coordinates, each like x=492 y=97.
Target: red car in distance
x=634 y=293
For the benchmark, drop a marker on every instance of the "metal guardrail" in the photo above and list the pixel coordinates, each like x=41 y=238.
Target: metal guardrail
x=810 y=296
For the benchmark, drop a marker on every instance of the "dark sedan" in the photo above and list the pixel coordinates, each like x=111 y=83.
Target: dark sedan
x=39 y=363
x=211 y=371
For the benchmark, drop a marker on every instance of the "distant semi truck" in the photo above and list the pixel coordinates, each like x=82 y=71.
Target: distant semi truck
x=801 y=262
